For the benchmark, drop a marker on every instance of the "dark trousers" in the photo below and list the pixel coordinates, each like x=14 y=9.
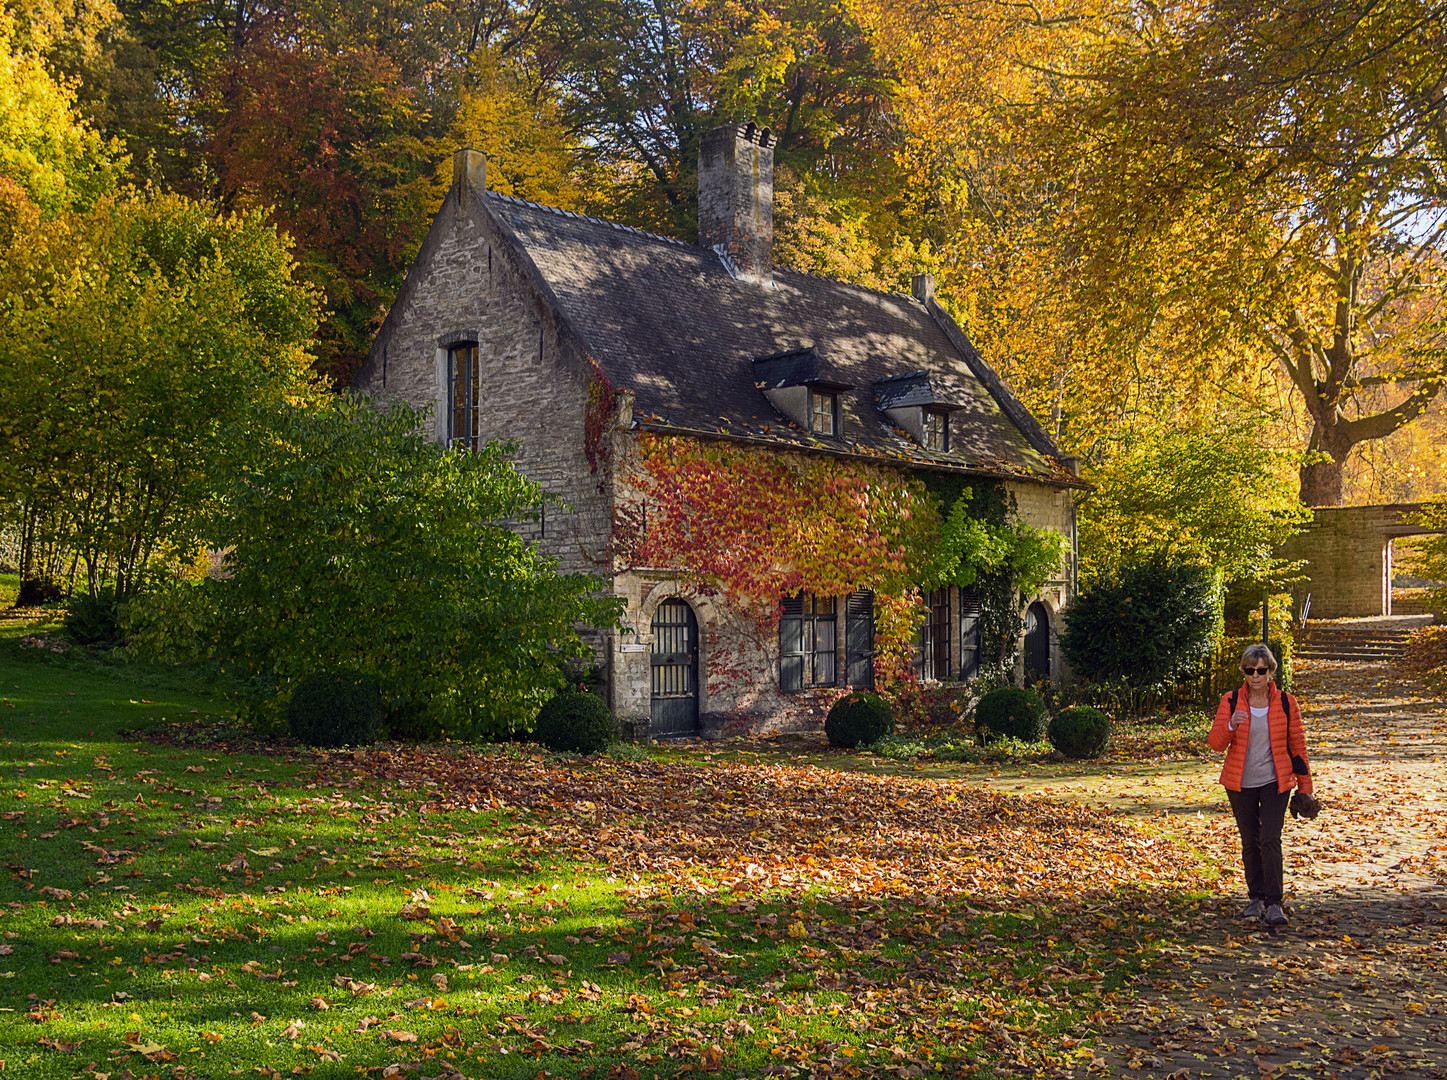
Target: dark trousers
x=1260 y=813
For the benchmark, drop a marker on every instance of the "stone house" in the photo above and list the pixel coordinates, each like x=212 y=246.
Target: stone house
x=572 y=336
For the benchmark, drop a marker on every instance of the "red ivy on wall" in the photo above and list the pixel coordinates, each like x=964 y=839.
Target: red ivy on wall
x=759 y=527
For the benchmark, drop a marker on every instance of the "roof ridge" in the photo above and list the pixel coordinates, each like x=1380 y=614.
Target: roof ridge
x=848 y=284
x=586 y=217
x=904 y=375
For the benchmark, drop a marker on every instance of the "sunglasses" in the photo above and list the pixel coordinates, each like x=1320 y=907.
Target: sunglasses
x=1256 y=670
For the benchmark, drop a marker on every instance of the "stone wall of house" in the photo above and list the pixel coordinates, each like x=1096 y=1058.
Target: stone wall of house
x=534 y=386
x=738 y=660
x=1045 y=507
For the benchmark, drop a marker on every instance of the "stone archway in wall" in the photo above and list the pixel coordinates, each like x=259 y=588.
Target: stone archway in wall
x=1347 y=557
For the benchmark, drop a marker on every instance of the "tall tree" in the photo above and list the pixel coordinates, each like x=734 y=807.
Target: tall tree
x=131 y=335
x=642 y=80
x=333 y=148
x=1273 y=178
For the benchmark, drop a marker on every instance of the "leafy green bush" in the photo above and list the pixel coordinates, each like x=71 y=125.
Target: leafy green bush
x=336 y=708
x=858 y=719
x=1012 y=712
x=1144 y=623
x=1281 y=648
x=355 y=541
x=1080 y=732
x=575 y=721
x=94 y=620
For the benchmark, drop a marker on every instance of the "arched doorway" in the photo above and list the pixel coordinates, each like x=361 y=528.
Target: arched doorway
x=1037 y=642
x=674 y=705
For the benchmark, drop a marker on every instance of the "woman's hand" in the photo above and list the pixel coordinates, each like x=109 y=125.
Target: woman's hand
x=1239 y=717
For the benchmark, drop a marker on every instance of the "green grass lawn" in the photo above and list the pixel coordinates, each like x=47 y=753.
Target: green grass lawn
x=207 y=910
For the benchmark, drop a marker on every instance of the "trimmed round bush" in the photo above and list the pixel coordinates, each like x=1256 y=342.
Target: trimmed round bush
x=1080 y=732
x=576 y=722
x=858 y=719
x=1012 y=712
x=336 y=708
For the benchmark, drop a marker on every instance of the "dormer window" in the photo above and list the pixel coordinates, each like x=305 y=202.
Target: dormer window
x=823 y=412
x=917 y=410
x=937 y=430
x=803 y=388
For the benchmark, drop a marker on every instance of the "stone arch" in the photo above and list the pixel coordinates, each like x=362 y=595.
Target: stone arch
x=705 y=611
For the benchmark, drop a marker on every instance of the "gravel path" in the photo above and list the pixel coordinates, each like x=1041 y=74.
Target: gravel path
x=1356 y=987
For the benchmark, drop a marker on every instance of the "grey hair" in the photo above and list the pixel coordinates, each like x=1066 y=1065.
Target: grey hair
x=1256 y=653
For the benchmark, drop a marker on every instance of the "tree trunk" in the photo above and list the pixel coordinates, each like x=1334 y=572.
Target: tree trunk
x=1321 y=478
x=1321 y=483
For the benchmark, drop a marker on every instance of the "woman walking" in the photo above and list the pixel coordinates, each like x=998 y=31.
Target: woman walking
x=1259 y=728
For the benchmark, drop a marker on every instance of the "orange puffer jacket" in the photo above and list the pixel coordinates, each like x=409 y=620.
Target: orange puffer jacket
x=1283 y=747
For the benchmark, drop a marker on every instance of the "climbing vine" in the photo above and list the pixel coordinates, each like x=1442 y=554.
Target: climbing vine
x=602 y=399
x=760 y=527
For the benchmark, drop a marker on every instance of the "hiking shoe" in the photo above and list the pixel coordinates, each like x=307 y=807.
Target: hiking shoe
x=1254 y=910
x=1275 y=916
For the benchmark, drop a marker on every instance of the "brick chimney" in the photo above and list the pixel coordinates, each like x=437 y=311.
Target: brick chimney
x=736 y=198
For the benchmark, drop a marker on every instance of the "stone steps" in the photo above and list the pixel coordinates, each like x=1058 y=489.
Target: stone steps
x=1361 y=643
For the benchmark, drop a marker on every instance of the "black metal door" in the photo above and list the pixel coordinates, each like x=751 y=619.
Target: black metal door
x=675 y=671
x=1037 y=643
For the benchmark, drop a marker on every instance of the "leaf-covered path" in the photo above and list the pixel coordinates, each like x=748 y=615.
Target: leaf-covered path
x=1356 y=986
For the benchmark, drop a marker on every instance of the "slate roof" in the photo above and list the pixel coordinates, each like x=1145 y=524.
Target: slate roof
x=669 y=322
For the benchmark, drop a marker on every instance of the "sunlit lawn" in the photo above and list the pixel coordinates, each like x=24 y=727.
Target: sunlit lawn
x=211 y=911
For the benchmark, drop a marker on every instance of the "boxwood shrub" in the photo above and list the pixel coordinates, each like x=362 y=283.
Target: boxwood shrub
x=336 y=708
x=575 y=721
x=1080 y=732
x=1011 y=711
x=858 y=719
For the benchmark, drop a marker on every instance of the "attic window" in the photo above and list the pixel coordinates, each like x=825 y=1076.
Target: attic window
x=464 y=397
x=936 y=430
x=823 y=412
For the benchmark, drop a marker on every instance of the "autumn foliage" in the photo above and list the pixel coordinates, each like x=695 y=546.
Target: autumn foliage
x=763 y=527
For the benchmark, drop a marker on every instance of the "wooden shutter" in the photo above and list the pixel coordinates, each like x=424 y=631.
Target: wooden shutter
x=859 y=639
x=791 y=644
x=969 y=634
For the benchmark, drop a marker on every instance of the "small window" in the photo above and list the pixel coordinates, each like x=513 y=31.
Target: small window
x=464 y=394
x=806 y=642
x=936 y=430
x=823 y=413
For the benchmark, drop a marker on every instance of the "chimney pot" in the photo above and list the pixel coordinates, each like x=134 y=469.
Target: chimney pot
x=736 y=198
x=469 y=170
x=923 y=287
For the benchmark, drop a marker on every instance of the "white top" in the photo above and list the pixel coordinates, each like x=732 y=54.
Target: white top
x=1259 y=768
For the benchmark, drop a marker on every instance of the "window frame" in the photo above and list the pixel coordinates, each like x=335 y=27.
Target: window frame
x=937 y=438
x=808 y=643
x=936 y=654
x=469 y=412
x=832 y=396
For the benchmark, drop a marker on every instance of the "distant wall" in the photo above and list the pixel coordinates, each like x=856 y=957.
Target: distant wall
x=1348 y=555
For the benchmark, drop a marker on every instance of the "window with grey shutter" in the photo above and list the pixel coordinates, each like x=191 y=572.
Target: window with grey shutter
x=806 y=642
x=969 y=634
x=859 y=640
